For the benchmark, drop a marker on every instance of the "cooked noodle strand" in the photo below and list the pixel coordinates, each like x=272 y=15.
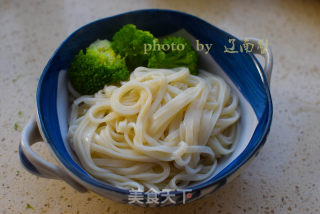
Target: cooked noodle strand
x=164 y=128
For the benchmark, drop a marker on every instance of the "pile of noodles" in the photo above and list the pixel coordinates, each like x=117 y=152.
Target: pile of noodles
x=164 y=128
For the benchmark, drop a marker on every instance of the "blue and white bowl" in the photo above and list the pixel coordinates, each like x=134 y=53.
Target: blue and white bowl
x=241 y=70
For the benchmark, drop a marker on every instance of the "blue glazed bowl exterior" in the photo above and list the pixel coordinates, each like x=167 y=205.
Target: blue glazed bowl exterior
x=240 y=68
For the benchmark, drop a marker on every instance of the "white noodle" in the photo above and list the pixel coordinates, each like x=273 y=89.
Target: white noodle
x=164 y=128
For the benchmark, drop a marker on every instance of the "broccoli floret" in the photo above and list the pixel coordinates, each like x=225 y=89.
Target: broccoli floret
x=180 y=54
x=99 y=65
x=130 y=42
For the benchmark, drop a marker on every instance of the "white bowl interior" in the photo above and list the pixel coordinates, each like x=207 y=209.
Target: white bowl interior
x=247 y=124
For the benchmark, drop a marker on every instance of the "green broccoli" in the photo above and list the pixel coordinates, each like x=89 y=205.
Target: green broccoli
x=99 y=65
x=129 y=42
x=180 y=54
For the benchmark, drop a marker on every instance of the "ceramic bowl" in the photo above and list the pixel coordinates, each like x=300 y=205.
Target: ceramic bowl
x=226 y=58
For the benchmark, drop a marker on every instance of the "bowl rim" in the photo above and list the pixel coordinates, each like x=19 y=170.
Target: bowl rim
x=267 y=116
